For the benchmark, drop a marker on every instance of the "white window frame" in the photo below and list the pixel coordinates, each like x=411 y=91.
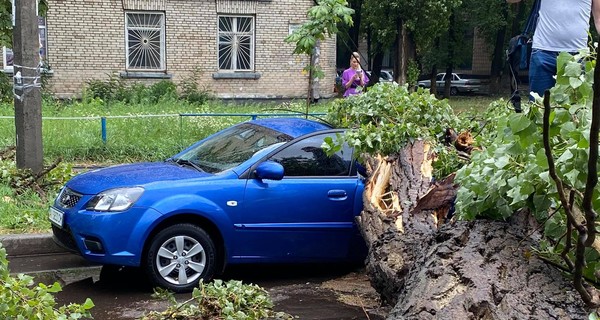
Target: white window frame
x=43 y=30
x=148 y=49
x=234 y=36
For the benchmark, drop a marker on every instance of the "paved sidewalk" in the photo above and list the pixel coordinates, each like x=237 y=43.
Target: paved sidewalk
x=38 y=253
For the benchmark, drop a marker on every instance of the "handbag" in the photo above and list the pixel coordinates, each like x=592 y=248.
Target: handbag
x=518 y=53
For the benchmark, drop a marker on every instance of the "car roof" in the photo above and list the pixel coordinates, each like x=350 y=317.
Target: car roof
x=294 y=127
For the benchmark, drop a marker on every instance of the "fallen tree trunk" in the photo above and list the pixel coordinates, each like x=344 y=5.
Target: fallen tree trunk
x=463 y=270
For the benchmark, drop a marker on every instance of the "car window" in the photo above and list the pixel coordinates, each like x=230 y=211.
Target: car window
x=307 y=158
x=233 y=146
x=440 y=77
x=455 y=77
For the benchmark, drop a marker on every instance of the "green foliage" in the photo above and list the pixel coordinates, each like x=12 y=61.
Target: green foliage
x=512 y=172
x=23 y=200
x=6 y=88
x=412 y=74
x=323 y=20
x=112 y=89
x=388 y=117
x=190 y=91
x=6 y=23
x=162 y=90
x=219 y=300
x=21 y=299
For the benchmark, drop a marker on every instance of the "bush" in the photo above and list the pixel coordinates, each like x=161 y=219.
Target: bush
x=162 y=90
x=112 y=89
x=190 y=91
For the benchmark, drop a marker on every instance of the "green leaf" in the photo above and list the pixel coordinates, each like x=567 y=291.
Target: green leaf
x=573 y=69
x=502 y=162
x=518 y=122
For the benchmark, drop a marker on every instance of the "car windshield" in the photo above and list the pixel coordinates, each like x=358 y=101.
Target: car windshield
x=231 y=147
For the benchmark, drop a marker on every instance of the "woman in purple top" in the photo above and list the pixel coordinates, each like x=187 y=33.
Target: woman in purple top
x=354 y=76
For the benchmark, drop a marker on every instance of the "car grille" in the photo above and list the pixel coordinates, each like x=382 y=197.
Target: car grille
x=64 y=238
x=68 y=198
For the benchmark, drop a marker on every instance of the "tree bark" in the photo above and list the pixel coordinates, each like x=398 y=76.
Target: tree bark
x=430 y=269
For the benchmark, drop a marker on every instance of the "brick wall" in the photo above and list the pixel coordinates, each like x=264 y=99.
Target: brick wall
x=86 y=41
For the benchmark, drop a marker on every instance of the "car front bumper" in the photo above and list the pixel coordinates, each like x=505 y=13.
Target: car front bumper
x=106 y=237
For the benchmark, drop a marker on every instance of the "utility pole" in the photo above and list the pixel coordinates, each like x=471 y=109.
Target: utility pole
x=27 y=84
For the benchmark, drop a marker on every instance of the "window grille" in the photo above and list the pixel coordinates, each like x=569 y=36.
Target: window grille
x=236 y=43
x=145 y=41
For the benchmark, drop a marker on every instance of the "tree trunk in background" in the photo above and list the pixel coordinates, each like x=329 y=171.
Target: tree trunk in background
x=406 y=51
x=354 y=31
x=450 y=56
x=315 y=87
x=430 y=269
x=433 y=79
x=499 y=56
x=376 y=68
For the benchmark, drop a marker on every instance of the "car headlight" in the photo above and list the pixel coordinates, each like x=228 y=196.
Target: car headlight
x=119 y=199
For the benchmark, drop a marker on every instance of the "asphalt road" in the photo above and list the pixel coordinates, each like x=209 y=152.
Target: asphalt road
x=319 y=292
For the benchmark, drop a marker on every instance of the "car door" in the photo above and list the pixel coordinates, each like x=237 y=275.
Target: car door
x=308 y=215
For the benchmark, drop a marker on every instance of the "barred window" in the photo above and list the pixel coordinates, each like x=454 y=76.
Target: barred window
x=236 y=43
x=145 y=41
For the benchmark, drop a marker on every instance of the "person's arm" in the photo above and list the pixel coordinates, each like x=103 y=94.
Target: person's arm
x=347 y=80
x=596 y=14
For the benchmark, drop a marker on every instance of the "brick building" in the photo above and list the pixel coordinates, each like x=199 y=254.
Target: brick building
x=237 y=46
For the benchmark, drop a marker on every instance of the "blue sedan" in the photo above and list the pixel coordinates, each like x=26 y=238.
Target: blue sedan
x=262 y=191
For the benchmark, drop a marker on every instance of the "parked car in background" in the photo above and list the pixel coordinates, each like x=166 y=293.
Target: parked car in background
x=262 y=191
x=458 y=84
x=385 y=76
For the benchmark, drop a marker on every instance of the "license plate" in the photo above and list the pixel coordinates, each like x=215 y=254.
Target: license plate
x=56 y=217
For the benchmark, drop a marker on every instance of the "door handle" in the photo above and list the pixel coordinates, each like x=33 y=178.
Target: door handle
x=337 y=194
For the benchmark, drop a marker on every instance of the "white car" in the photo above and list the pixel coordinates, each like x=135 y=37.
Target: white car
x=458 y=84
x=385 y=76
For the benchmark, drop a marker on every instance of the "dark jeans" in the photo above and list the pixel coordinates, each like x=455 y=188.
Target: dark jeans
x=542 y=69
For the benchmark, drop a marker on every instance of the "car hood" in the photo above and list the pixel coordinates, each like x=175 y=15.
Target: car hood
x=127 y=175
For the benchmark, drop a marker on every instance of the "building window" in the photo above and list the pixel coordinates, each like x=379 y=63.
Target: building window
x=7 y=53
x=145 y=41
x=236 y=43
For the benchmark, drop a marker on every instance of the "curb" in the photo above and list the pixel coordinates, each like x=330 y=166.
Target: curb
x=30 y=244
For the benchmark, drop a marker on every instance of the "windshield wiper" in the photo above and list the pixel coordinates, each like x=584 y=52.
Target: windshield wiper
x=188 y=163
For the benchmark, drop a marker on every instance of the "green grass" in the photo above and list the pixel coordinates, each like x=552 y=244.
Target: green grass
x=462 y=104
x=74 y=131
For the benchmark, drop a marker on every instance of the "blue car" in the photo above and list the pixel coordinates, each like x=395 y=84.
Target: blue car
x=262 y=191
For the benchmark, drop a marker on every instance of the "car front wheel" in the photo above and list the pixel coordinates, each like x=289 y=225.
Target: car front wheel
x=179 y=256
x=453 y=91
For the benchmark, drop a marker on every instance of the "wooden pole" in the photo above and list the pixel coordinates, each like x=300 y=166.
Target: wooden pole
x=27 y=85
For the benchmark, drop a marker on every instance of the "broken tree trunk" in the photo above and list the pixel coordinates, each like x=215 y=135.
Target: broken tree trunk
x=463 y=270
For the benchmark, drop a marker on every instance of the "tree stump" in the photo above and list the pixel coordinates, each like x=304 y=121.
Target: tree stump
x=459 y=270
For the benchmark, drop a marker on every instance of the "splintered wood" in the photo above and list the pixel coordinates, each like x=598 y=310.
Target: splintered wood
x=379 y=194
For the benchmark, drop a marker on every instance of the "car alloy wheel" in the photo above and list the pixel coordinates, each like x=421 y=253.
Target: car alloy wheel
x=180 y=256
x=453 y=91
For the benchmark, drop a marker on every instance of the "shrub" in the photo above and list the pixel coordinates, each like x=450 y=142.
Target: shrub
x=191 y=92
x=162 y=90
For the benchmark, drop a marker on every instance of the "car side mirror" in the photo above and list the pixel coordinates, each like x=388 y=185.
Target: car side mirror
x=269 y=170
